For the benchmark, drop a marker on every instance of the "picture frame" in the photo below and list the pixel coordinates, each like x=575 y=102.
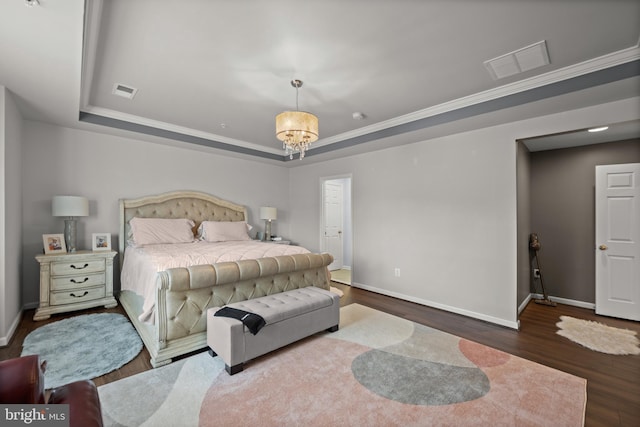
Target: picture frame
x=54 y=244
x=101 y=242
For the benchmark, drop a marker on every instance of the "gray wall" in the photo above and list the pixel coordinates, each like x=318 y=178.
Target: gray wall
x=444 y=211
x=105 y=168
x=563 y=213
x=524 y=221
x=10 y=215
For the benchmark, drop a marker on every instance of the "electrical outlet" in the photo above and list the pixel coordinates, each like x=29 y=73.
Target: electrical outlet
x=536 y=273
x=397 y=272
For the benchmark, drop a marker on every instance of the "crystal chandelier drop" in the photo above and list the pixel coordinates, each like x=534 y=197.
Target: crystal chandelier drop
x=296 y=129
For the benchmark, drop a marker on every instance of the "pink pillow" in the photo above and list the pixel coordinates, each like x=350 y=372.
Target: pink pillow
x=223 y=231
x=151 y=231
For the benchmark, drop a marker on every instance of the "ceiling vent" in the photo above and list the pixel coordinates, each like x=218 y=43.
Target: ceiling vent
x=518 y=61
x=124 y=91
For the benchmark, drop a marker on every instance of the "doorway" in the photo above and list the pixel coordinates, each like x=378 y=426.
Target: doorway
x=617 y=246
x=557 y=201
x=336 y=226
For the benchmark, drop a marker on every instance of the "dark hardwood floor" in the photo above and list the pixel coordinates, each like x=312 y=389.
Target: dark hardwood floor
x=613 y=382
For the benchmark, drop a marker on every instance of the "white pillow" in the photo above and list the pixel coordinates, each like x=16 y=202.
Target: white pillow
x=151 y=231
x=223 y=231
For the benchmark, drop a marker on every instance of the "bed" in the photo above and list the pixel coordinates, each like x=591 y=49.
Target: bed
x=167 y=288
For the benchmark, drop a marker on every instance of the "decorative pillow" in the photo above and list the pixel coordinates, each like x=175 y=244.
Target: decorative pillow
x=151 y=231
x=223 y=231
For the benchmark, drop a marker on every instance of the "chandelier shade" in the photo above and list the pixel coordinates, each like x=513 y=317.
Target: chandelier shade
x=296 y=129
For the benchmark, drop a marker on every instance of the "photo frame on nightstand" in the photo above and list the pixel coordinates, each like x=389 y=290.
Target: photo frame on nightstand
x=101 y=242
x=54 y=244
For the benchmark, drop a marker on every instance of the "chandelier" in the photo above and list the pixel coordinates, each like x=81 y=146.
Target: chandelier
x=296 y=129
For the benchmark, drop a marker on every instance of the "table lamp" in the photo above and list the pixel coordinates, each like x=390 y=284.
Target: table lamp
x=268 y=214
x=70 y=207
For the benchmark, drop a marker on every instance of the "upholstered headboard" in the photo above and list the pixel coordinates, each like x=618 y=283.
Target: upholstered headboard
x=194 y=205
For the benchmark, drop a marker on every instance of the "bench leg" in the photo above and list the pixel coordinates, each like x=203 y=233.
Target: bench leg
x=212 y=353
x=232 y=370
x=333 y=329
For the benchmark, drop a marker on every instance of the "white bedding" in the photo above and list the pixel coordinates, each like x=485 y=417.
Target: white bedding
x=141 y=264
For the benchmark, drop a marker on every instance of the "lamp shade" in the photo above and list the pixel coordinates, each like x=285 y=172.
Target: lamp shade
x=70 y=206
x=268 y=213
x=297 y=127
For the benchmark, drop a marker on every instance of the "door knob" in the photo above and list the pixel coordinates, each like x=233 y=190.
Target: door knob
x=603 y=247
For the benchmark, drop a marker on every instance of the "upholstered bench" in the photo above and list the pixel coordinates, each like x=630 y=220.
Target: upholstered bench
x=289 y=316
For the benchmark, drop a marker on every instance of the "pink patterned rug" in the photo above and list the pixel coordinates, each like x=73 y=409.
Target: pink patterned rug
x=377 y=370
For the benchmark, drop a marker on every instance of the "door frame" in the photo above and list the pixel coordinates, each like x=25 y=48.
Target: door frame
x=321 y=227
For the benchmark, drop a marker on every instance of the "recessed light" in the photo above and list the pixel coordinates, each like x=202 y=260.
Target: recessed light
x=600 y=129
x=358 y=116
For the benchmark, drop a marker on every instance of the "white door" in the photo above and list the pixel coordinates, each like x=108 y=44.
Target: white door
x=618 y=240
x=333 y=222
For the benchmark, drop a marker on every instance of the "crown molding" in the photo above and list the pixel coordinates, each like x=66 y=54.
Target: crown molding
x=603 y=62
x=157 y=124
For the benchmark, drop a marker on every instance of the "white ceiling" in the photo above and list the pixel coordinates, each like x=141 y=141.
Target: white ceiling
x=213 y=74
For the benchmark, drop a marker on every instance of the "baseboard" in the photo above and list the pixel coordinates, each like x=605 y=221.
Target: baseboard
x=522 y=306
x=566 y=301
x=14 y=325
x=457 y=310
x=346 y=267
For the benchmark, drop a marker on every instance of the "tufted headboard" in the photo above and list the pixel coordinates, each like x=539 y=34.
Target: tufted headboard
x=194 y=205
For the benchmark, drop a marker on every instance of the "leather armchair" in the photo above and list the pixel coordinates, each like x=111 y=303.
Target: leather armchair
x=22 y=381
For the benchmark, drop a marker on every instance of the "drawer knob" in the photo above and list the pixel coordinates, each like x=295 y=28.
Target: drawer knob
x=79 y=296
x=79 y=268
x=75 y=281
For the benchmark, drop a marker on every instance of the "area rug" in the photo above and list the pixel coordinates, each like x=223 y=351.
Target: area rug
x=599 y=337
x=377 y=370
x=83 y=347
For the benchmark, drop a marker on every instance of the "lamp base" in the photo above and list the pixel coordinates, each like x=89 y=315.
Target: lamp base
x=267 y=230
x=70 y=234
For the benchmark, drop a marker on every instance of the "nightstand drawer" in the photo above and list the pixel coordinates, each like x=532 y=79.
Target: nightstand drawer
x=74 y=282
x=76 y=295
x=77 y=267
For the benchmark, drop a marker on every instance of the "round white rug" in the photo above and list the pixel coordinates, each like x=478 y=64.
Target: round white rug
x=599 y=337
x=83 y=347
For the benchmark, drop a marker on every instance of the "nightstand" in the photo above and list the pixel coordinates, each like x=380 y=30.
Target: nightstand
x=280 y=242
x=75 y=281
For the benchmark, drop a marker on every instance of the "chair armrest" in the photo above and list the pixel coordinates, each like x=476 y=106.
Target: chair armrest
x=84 y=403
x=22 y=380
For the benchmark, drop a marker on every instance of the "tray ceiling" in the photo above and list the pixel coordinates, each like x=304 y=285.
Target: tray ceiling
x=216 y=73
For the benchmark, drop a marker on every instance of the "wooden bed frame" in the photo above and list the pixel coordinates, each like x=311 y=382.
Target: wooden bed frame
x=183 y=295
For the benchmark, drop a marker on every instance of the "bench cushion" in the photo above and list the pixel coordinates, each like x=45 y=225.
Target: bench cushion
x=277 y=307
